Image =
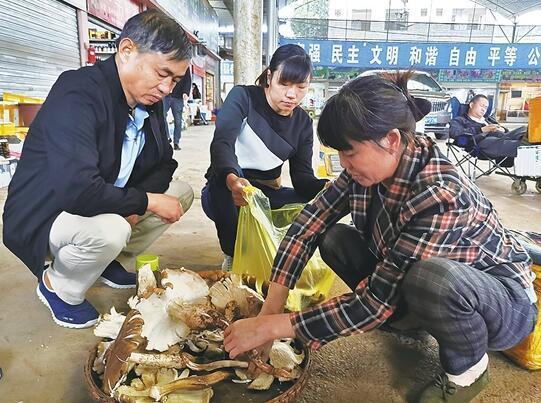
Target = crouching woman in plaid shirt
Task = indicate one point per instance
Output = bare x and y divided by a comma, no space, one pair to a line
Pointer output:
425,240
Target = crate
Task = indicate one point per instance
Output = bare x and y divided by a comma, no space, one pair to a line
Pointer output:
534,121
7,128
528,161
17,98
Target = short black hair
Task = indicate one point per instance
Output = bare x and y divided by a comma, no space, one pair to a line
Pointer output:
153,30
477,97
295,63
367,108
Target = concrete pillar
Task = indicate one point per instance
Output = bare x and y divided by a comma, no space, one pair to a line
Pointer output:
272,12
247,41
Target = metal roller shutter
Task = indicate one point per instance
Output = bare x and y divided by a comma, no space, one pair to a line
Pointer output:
38,41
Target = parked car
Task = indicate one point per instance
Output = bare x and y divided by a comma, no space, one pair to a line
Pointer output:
422,85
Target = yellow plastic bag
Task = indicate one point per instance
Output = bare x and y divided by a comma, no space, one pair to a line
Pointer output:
259,233
528,352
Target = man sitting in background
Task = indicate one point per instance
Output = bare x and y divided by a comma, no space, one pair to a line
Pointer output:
94,169
493,139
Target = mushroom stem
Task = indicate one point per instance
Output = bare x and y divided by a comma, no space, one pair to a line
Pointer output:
191,383
161,360
255,359
211,366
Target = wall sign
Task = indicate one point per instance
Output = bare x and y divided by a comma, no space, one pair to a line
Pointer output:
114,12
432,55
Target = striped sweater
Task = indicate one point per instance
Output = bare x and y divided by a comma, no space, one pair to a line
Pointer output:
251,140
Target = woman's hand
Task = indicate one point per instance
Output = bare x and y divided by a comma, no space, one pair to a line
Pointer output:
236,185
255,333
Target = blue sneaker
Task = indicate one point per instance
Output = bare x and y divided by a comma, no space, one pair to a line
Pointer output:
116,276
64,314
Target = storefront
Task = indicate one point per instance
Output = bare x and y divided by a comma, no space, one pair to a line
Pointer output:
517,88
212,79
198,76
39,40
105,21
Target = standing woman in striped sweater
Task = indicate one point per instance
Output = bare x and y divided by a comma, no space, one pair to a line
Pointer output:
259,128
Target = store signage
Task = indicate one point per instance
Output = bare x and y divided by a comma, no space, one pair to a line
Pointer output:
470,75
200,71
432,55
115,12
531,76
226,67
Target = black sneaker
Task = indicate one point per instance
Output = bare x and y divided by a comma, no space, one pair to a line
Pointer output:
176,147
116,276
64,314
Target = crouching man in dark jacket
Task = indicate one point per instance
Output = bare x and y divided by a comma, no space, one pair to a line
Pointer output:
94,184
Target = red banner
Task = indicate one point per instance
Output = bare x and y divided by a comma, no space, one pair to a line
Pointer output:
198,70
115,12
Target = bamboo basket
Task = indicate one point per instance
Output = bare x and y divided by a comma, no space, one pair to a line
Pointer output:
224,392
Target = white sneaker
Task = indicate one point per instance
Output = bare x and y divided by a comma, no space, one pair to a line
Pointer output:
227,264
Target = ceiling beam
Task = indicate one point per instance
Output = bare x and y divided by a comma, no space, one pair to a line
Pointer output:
230,4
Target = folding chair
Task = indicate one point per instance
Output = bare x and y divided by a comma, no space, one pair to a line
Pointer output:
468,154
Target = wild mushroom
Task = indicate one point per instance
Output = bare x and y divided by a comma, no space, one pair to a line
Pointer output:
129,339
190,396
128,394
109,324
211,366
139,389
184,284
160,329
216,335
258,364
191,383
182,360
282,355
146,281
226,290
195,316
160,360
262,382
99,362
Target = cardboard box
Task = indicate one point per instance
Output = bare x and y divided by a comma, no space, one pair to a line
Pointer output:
528,161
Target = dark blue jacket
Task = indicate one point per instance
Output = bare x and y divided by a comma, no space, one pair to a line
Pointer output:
71,159
464,125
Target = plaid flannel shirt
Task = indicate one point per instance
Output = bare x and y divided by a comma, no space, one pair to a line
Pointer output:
428,210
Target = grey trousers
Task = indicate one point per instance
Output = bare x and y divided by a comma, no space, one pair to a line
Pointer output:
82,247
466,310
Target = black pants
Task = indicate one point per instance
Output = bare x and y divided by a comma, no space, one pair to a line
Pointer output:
218,205
499,144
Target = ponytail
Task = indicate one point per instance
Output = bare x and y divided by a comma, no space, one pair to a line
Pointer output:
262,80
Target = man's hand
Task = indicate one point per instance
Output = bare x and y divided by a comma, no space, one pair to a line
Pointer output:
132,220
166,207
491,128
236,186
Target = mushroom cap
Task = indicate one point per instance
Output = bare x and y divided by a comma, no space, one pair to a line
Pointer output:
184,284
129,339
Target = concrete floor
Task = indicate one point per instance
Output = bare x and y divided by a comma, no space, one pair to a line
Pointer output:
43,362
